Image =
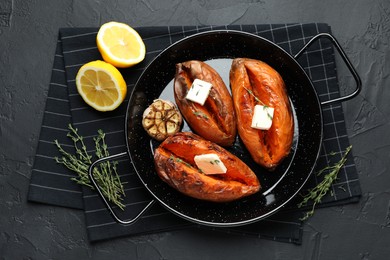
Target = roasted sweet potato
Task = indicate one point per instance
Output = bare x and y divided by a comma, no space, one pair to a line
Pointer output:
253,80
174,162
215,120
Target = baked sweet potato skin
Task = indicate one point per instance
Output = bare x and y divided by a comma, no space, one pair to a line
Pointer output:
215,120
251,78
174,163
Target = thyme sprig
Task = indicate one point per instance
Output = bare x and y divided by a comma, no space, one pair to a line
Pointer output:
105,173
259,101
317,193
256,98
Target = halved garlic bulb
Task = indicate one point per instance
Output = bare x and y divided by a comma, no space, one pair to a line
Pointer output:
162,119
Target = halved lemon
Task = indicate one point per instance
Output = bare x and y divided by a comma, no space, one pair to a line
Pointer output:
101,85
120,45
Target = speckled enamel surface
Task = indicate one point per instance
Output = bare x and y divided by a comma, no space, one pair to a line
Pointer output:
218,48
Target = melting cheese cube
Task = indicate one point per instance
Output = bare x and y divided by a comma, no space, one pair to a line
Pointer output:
199,91
262,117
210,163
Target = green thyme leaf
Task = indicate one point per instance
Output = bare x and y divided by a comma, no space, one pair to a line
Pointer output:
269,116
256,98
180,160
197,113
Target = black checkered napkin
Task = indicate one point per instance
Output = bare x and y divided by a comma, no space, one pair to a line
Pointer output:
50,182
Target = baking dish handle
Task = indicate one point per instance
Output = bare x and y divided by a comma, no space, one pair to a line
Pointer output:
345,59
109,207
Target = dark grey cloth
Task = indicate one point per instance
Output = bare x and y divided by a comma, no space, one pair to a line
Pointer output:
51,184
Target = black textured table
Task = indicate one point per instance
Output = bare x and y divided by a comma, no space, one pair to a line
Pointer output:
354,219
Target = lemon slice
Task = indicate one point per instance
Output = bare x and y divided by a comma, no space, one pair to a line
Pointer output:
120,45
101,85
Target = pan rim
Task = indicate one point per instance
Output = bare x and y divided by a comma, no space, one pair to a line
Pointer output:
235,223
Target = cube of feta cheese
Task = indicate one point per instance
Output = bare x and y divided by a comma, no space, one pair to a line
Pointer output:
210,163
199,91
262,117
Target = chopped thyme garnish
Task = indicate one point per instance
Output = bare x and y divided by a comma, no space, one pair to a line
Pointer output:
268,114
215,161
180,161
197,113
